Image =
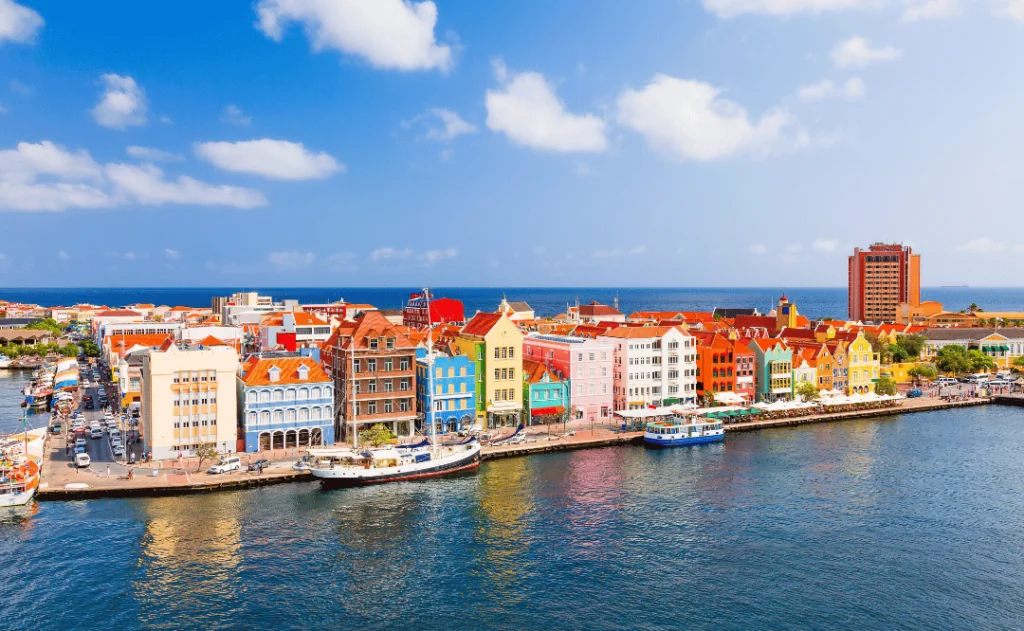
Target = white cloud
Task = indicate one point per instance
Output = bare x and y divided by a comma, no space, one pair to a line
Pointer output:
291,260
981,245
732,8
394,34
687,120
21,88
153,155
47,177
3,110
63,256
433,256
389,254
852,88
234,115
915,10
1013,9
826,245
758,248
454,126
275,159
857,52
174,255
166,120
528,111
145,184
122,104
619,253
791,253
18,23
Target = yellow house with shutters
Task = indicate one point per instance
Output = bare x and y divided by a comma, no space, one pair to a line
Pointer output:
496,344
864,366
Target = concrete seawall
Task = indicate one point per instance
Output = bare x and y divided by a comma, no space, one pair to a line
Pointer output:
127,490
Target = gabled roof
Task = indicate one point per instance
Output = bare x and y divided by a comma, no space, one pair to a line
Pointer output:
369,325
642,332
767,343
797,334
596,309
210,340
533,372
257,371
519,306
481,324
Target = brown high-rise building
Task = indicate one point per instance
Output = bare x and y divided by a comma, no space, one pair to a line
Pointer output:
882,277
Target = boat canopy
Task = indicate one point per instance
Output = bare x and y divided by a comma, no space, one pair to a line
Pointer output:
646,413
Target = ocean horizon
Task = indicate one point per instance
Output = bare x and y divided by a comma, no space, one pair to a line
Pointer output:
814,302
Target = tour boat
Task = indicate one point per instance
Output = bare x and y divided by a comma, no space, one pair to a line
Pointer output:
5,361
358,467
677,431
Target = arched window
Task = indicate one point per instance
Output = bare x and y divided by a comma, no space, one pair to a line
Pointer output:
264,396
277,395
303,415
278,416
303,394
314,393
264,417
290,394
252,418
252,396
290,415
714,359
316,414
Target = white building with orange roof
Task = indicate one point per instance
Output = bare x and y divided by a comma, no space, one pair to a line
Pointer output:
654,366
292,330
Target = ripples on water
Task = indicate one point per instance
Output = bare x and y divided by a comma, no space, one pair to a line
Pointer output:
910,523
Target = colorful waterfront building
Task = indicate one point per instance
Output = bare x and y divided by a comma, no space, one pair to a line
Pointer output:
746,369
716,365
654,365
773,360
819,356
588,363
546,396
448,396
494,342
373,365
864,366
285,400
292,330
840,365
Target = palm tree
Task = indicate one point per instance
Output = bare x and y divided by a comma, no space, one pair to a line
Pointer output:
974,308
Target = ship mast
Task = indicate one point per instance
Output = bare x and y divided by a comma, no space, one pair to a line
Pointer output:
430,372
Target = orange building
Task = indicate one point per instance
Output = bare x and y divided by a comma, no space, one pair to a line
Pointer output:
880,278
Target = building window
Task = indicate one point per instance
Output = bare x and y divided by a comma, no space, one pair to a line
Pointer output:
371,407
404,363
373,344
504,352
389,343
389,406
404,405
497,353
371,386
388,365
389,385
497,374
371,365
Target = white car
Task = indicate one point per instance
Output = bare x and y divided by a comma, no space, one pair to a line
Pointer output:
82,460
227,464
118,450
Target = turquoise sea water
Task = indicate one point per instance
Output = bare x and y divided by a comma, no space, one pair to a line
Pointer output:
912,522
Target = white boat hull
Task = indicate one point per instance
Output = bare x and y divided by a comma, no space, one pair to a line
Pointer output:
461,458
16,499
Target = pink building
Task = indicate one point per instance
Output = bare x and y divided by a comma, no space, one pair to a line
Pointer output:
587,363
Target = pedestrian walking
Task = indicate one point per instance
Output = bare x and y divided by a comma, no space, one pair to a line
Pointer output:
108,471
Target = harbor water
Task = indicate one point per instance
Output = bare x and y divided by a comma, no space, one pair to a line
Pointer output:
911,522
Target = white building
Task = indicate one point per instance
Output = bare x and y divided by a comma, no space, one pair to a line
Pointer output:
189,399
655,365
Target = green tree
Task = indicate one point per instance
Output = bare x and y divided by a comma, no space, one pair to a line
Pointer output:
898,353
89,348
923,371
1018,364
953,359
885,385
69,350
47,324
377,435
206,451
974,308
912,344
980,362
807,391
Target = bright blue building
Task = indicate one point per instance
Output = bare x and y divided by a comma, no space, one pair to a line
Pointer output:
451,403
285,400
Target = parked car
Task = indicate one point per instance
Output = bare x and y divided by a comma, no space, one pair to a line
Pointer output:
945,381
80,449
56,428
79,442
118,450
82,460
256,464
227,464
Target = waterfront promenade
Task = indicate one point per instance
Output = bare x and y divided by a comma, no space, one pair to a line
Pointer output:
63,482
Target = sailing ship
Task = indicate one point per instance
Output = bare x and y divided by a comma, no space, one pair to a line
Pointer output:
352,466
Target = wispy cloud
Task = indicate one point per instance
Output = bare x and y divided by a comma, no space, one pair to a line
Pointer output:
758,248
618,253
981,245
291,260
234,115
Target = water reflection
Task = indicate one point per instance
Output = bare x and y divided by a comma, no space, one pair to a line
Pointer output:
505,501
189,558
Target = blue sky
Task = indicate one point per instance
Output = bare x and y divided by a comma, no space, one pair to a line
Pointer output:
532,143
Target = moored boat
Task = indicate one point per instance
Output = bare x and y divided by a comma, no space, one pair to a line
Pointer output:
20,462
356,467
678,431
5,361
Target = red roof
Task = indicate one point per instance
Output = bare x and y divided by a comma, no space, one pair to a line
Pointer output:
118,313
640,332
481,324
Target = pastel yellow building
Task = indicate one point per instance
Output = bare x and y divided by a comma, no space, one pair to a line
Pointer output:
864,366
188,399
494,342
